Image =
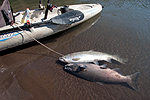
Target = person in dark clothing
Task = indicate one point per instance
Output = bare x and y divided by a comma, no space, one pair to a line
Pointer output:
6,14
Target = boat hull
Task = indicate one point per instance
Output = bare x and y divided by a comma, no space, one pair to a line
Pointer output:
11,36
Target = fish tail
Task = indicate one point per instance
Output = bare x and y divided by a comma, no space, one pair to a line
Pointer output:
133,80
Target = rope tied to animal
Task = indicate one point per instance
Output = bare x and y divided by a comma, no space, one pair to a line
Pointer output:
39,41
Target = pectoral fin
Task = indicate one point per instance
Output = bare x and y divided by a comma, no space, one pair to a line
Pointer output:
91,50
117,70
83,66
100,83
109,60
103,66
96,62
76,59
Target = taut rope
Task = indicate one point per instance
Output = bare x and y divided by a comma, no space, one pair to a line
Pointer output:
45,45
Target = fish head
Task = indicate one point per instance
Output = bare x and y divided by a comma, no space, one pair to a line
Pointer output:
62,59
71,67
66,58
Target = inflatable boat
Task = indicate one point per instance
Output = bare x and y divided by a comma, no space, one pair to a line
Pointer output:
41,22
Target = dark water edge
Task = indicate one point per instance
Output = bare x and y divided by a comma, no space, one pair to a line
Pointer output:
31,72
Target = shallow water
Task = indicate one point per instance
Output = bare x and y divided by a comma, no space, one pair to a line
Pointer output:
31,72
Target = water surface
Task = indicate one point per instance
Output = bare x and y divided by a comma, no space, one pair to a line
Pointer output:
31,72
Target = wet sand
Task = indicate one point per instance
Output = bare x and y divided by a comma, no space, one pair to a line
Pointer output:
31,72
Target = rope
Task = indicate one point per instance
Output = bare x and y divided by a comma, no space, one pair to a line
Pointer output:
39,42
45,46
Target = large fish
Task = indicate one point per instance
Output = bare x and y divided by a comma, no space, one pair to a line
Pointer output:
90,56
101,74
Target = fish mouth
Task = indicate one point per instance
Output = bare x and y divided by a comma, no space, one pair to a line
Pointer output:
62,59
68,67
71,67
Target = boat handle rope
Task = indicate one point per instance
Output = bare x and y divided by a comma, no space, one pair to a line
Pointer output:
39,41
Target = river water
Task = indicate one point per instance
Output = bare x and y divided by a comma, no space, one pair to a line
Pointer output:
31,72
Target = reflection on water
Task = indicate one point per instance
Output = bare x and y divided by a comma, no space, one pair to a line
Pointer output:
30,72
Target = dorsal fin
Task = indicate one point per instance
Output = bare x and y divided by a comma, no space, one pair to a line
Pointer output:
117,70
91,50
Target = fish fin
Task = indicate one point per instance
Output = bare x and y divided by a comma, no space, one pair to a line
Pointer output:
100,83
133,81
117,70
96,62
103,66
83,66
118,59
109,60
91,50
76,59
